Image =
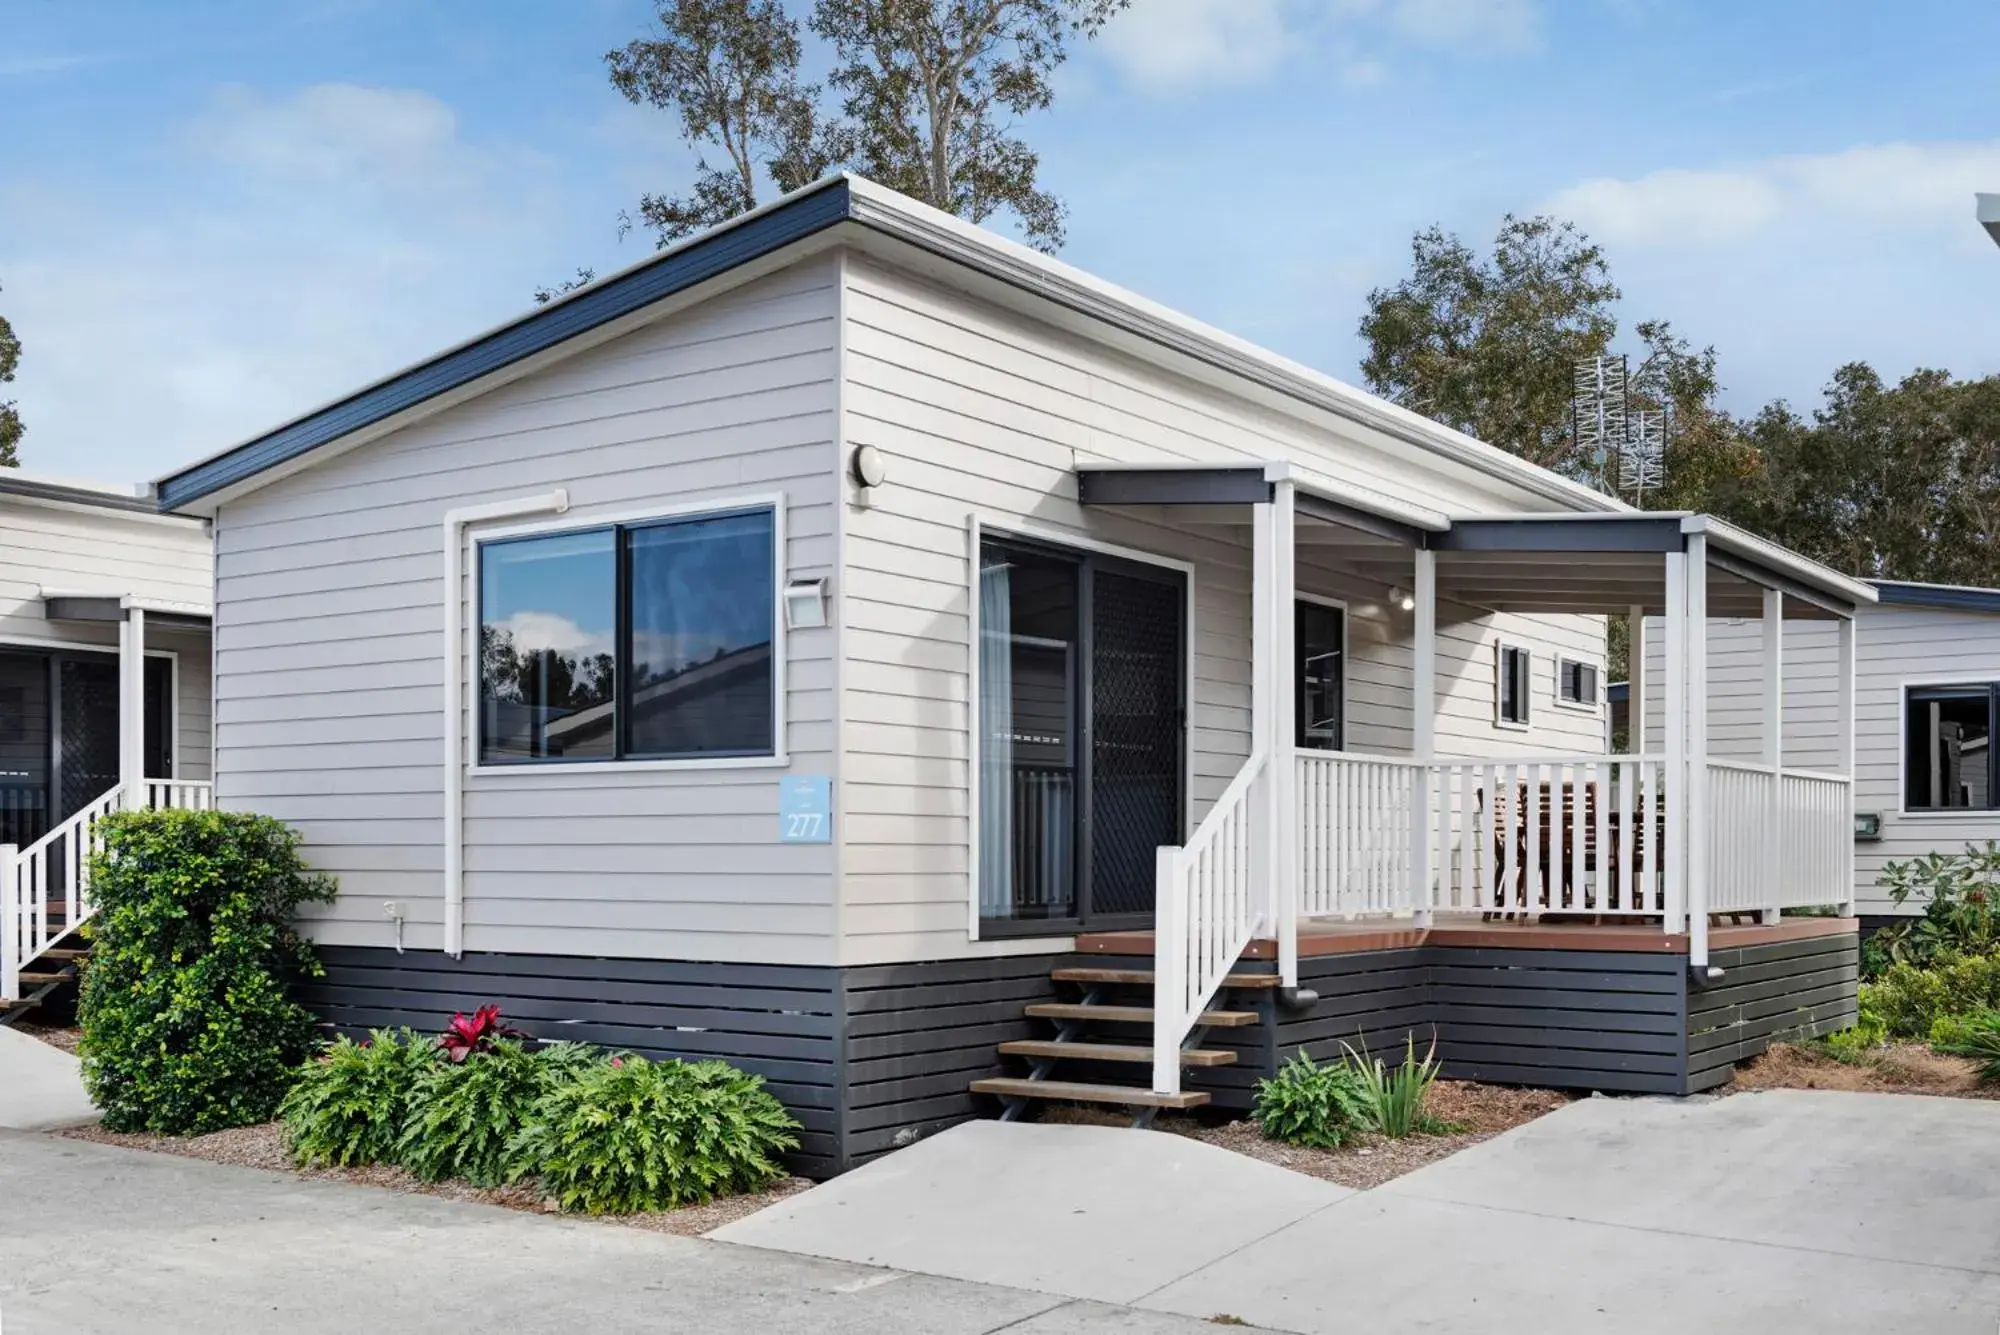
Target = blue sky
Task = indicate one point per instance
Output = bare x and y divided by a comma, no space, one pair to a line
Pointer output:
216,214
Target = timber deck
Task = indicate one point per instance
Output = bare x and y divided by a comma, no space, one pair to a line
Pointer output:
1349,938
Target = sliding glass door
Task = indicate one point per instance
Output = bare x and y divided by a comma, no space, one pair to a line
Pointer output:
1080,729
59,735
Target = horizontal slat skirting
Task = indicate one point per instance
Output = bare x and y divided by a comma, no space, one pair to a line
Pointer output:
1322,968
1666,1066
1740,956
1568,1022
1462,1034
895,1002
1557,1077
634,1012
873,976
937,1040
1557,998
1708,1008
1568,980
797,977
1622,963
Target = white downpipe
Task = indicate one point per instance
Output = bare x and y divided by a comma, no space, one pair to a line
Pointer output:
455,522
1423,733
1281,779
1774,747
1697,753
132,706
1676,851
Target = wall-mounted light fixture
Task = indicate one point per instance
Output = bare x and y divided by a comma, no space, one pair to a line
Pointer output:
805,604
1403,599
867,466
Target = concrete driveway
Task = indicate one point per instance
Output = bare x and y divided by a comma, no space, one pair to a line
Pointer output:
1757,1213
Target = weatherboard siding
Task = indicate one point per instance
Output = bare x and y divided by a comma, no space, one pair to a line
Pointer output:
1894,646
70,549
329,677
979,411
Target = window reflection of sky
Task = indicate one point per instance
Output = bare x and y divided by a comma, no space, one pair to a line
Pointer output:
553,592
699,590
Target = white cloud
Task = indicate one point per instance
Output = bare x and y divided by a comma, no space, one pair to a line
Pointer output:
1179,45
1494,26
1901,186
1175,44
534,632
270,253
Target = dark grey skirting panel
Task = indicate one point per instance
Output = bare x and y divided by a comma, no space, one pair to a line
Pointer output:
1786,990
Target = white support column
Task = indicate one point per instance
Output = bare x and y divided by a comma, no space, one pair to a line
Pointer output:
1635,684
1284,729
1263,567
1423,730
1675,723
132,708
1774,745
1697,751
1845,743
10,925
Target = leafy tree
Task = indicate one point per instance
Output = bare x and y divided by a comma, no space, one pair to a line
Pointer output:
545,295
1486,344
10,417
922,96
1894,482
730,70
930,87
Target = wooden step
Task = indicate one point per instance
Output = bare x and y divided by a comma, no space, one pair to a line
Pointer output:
37,979
1064,1010
1110,1052
1007,1087
65,954
1144,977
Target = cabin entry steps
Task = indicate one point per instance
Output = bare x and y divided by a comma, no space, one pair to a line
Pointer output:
1111,999
48,973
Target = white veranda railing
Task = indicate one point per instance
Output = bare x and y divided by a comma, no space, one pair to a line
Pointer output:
45,887
1355,817
1212,903
1778,838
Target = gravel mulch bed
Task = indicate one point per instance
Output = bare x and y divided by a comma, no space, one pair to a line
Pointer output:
264,1147
1484,1110
1899,1068
64,1038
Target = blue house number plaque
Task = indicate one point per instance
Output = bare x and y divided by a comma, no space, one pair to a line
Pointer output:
805,809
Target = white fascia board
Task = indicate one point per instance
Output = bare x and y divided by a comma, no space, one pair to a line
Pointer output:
1802,568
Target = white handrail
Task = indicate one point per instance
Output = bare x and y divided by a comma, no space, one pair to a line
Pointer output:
1210,907
53,873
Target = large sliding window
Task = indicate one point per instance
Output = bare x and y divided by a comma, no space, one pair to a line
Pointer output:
640,641
1948,760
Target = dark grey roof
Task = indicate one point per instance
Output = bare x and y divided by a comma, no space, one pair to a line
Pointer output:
707,256
1958,597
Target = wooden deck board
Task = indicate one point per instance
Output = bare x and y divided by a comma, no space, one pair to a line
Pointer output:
1343,938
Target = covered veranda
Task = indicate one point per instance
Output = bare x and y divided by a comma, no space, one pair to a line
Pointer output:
1662,836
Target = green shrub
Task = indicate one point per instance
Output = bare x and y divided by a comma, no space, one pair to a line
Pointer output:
463,1114
1321,1107
1976,1036
1960,894
1394,1097
629,1134
348,1105
1907,1000
187,1016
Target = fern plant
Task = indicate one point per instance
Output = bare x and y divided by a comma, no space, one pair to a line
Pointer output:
1320,1107
347,1106
630,1134
463,1114
1976,1036
1394,1097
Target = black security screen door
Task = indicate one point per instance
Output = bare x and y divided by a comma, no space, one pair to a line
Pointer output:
1080,719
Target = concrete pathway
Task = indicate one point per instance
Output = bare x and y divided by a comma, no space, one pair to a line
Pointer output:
97,1240
40,1086
1757,1213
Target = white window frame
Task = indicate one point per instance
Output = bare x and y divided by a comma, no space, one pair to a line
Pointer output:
1563,663
1501,648
977,530
1903,809
577,521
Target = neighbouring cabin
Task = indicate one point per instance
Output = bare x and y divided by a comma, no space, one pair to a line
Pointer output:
1926,704
104,699
811,646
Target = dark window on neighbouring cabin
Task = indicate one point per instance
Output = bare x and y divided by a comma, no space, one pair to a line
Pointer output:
1576,682
641,641
1948,760
1512,665
1320,642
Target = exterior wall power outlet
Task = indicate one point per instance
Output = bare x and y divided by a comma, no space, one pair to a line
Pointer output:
393,908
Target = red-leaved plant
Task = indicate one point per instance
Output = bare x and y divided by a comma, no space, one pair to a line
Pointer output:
477,1032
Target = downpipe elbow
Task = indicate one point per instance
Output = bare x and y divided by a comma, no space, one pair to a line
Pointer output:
1705,975
1297,999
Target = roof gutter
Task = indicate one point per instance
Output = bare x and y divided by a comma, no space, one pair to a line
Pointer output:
1803,569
